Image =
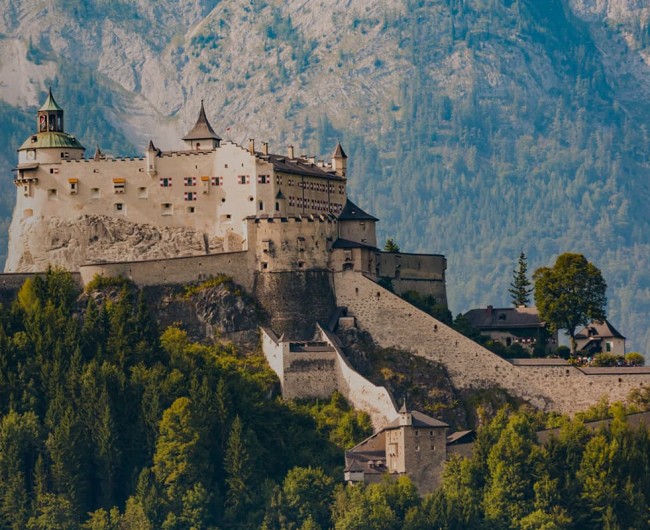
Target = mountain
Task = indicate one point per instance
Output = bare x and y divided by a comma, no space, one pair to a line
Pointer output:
477,129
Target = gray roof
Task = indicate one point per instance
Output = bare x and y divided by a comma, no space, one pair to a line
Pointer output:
351,212
599,331
506,317
419,420
299,166
338,152
346,243
202,130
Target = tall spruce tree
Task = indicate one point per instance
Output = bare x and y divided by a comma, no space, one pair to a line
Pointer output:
520,288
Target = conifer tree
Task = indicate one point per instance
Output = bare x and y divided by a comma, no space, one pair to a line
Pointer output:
238,468
520,288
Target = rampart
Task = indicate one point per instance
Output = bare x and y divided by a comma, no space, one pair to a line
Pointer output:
392,322
317,368
175,270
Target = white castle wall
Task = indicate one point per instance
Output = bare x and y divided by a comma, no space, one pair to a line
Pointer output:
317,374
392,322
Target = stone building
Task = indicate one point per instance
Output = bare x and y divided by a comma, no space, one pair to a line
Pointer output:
600,338
414,445
514,325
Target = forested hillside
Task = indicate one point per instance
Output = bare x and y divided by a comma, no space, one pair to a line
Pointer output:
475,128
107,423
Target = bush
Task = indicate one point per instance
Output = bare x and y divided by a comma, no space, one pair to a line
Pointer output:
563,351
607,359
634,359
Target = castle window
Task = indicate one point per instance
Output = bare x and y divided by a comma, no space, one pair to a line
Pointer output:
189,181
265,265
26,190
263,179
301,264
417,433
94,193
217,181
166,208
190,209
261,205
118,185
120,208
190,195
266,245
608,346
54,171
143,193
301,243
73,186
65,155
277,206
165,182
34,139
141,170
51,194
278,180
243,179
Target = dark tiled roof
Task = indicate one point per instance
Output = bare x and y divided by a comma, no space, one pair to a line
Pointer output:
351,212
346,243
299,166
202,130
599,331
370,462
461,437
508,317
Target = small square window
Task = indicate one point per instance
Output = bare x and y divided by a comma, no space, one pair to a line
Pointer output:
143,193
94,193
190,209
120,208
51,194
166,208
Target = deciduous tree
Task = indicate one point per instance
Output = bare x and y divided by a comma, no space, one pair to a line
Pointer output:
570,294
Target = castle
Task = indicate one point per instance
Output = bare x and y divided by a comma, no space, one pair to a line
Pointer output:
283,227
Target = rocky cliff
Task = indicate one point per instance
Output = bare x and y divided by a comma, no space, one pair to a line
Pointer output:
69,243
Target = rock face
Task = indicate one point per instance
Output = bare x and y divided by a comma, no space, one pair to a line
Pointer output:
69,243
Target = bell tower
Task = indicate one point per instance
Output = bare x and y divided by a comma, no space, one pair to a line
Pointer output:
50,116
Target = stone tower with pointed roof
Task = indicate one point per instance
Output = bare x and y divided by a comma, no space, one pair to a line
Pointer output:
202,135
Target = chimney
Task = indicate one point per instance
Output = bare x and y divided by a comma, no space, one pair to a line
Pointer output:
251,146
290,153
265,148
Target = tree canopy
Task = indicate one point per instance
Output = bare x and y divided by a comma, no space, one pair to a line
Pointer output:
570,294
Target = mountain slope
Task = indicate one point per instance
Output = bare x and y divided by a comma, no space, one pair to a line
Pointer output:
475,128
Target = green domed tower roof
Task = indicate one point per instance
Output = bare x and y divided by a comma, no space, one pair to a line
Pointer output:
50,131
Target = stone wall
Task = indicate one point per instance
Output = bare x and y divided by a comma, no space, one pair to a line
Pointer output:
295,301
175,270
392,322
317,374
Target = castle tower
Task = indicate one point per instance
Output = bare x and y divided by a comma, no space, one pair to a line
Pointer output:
339,161
51,143
202,135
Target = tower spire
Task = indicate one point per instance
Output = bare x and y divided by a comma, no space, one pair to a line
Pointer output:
202,135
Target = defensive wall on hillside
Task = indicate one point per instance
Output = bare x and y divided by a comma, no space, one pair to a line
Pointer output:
551,385
316,368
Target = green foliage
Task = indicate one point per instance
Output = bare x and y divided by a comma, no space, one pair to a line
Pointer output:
634,359
570,294
391,246
99,283
338,421
219,280
520,287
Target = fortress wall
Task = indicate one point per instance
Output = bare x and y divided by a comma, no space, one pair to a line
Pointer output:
295,301
274,353
469,365
309,374
175,270
362,394
291,243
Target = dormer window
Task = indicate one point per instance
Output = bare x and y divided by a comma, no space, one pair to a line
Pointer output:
74,186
